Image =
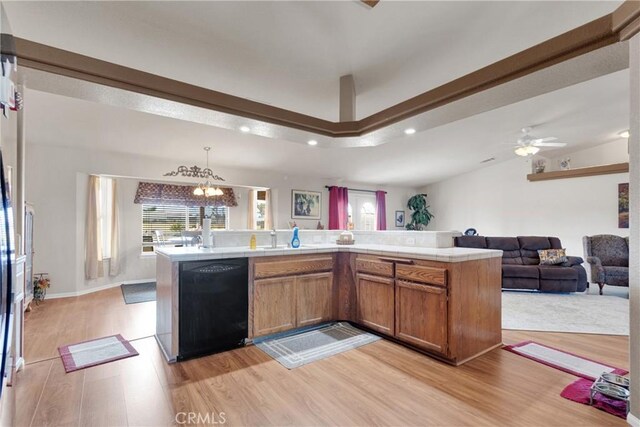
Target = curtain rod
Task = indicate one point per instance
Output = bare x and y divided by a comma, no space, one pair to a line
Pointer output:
353,189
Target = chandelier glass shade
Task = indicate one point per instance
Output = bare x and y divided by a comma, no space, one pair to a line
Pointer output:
207,189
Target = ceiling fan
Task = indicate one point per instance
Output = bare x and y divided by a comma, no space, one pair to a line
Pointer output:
528,145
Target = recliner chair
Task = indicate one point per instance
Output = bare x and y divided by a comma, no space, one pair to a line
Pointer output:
608,256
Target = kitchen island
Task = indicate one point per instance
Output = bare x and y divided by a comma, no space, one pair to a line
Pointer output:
445,302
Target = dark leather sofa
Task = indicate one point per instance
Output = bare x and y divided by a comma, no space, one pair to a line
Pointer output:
521,267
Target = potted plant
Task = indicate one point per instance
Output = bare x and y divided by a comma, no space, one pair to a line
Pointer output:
420,215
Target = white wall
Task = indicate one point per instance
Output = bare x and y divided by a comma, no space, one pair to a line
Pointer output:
499,201
57,180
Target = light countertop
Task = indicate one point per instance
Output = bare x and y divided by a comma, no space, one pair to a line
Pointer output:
192,253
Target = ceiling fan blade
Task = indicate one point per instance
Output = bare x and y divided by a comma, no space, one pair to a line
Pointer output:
547,139
550,144
370,3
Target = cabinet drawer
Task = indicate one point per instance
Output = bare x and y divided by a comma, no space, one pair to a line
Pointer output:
292,267
419,273
374,266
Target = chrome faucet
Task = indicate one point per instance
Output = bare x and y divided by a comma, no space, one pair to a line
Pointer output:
274,239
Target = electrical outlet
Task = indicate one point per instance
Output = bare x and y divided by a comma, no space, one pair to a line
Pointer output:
317,239
411,241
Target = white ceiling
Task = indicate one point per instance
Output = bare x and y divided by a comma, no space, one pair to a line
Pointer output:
582,115
291,54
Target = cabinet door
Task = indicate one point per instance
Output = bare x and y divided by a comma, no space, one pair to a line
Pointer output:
375,303
273,305
421,315
314,295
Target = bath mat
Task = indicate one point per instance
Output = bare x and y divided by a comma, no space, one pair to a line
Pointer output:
302,348
138,292
95,352
578,391
566,362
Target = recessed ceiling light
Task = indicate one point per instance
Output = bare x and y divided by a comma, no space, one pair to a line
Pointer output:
624,134
245,129
410,131
312,142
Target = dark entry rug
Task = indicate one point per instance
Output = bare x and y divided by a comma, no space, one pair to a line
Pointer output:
138,292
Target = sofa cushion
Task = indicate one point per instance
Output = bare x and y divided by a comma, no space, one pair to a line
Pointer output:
521,271
551,272
510,248
555,243
616,276
529,247
471,242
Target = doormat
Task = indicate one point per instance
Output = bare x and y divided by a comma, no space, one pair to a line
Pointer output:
566,362
95,352
134,293
302,348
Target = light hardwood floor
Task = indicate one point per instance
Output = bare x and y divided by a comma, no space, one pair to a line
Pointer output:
378,384
63,321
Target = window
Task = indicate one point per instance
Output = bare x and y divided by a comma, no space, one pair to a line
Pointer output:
105,215
361,211
261,209
166,222
367,216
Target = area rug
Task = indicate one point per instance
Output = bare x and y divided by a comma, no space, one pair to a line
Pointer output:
579,391
138,292
300,349
578,313
95,352
562,360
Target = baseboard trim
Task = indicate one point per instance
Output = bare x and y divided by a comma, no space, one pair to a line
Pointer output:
96,289
632,420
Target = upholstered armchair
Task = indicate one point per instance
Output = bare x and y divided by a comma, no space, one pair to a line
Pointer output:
608,256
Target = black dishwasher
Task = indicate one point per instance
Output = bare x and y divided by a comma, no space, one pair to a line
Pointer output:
214,306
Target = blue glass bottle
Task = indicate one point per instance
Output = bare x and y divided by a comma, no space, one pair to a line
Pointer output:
295,242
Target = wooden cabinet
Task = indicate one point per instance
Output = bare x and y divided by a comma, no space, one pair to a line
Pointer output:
313,298
375,305
274,305
421,315
301,294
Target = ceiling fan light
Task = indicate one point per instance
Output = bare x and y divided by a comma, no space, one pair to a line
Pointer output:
210,191
198,191
218,192
526,151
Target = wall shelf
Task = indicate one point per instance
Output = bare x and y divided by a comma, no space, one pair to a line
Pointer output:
580,172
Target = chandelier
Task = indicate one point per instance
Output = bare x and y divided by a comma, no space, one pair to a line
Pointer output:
206,189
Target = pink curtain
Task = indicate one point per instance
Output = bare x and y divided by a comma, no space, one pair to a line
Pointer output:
338,208
381,210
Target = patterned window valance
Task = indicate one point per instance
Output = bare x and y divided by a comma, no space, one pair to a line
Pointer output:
182,195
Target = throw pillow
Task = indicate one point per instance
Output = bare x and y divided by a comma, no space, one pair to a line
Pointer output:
552,256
